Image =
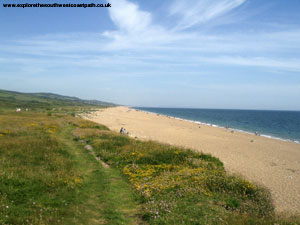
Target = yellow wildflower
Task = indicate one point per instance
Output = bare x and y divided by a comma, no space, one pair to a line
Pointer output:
77,180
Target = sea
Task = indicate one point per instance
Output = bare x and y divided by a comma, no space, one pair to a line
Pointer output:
283,125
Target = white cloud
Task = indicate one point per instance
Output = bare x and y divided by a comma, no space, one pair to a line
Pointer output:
135,28
128,17
172,50
283,64
137,43
197,12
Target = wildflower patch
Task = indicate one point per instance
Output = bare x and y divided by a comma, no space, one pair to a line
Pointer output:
170,180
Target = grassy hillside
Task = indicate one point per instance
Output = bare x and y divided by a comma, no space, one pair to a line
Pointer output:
10,99
48,178
179,186
52,172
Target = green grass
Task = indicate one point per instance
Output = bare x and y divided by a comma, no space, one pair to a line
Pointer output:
180,186
44,101
47,176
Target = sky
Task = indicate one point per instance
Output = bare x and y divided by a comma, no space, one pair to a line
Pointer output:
228,54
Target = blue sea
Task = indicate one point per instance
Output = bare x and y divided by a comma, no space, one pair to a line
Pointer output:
274,124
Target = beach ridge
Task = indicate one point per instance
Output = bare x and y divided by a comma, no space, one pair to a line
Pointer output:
269,162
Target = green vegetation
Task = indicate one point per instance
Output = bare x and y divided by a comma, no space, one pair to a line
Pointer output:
44,101
179,186
48,177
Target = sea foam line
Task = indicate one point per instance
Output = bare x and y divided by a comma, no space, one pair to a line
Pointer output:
218,126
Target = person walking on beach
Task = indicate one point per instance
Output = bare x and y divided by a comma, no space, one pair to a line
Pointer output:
122,130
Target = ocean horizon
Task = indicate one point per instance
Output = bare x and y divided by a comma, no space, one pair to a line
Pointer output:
277,124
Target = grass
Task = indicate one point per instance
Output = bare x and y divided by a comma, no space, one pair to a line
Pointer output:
48,101
180,186
48,177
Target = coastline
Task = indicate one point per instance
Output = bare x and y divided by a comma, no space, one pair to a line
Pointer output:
270,162
218,126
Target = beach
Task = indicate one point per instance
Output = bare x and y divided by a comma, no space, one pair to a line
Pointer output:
272,163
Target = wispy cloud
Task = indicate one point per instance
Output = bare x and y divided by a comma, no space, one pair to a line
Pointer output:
136,43
272,63
134,28
199,12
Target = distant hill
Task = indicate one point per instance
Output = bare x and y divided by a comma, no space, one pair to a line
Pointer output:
71,99
10,99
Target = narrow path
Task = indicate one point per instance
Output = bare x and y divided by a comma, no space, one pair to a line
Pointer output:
106,198
98,158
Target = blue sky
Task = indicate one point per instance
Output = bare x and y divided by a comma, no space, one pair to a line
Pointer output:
242,54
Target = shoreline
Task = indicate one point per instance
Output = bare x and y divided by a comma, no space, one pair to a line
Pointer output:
218,126
269,162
